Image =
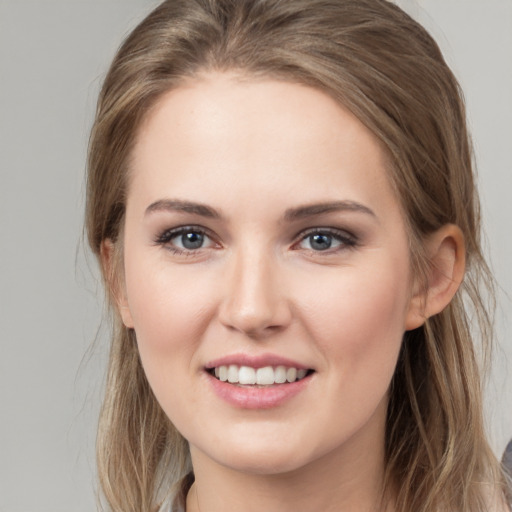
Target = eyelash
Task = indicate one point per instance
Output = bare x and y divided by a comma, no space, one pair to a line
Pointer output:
164,239
347,240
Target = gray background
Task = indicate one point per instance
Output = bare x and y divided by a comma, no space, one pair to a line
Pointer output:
53,54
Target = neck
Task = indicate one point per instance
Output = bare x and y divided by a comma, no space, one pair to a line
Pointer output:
347,479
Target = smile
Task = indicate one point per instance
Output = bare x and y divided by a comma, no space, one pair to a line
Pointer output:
261,381
266,376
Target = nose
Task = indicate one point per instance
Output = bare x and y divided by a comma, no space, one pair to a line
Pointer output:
255,301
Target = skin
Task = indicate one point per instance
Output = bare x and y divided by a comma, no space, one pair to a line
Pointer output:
252,151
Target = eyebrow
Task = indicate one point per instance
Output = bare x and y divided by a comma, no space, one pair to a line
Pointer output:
176,205
294,214
291,215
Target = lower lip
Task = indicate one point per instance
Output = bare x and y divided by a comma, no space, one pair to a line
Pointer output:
257,398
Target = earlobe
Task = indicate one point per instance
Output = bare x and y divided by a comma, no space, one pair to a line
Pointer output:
112,272
445,249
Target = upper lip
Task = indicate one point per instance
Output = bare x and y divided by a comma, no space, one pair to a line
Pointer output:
255,361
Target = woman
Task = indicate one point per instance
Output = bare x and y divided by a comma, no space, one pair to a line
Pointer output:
282,200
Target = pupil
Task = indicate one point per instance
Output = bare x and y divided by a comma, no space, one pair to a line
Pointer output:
321,242
192,240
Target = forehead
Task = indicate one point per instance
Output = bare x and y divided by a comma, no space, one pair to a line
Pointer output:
223,134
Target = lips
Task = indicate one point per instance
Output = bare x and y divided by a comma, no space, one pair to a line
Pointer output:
257,382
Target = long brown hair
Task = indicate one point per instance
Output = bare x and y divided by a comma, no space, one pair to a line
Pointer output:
385,68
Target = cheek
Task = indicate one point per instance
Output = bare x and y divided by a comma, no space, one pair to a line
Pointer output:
358,319
357,324
166,307
168,319
169,311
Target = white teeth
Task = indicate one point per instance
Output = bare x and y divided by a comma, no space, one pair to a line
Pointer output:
291,374
247,375
266,376
233,373
280,375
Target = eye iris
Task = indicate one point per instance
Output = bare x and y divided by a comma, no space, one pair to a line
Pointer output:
192,240
320,242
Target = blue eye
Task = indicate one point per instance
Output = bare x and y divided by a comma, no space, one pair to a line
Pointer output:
325,240
185,239
191,240
320,242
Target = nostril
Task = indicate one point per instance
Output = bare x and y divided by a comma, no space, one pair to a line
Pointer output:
257,324
254,303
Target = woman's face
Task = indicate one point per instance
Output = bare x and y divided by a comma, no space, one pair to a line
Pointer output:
263,242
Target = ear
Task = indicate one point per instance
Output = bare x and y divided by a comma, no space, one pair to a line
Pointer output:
445,250
112,270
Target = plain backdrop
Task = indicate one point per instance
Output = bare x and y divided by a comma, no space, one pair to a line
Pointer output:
53,55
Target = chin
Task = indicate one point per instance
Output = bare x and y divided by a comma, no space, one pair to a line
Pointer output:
261,457
266,463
